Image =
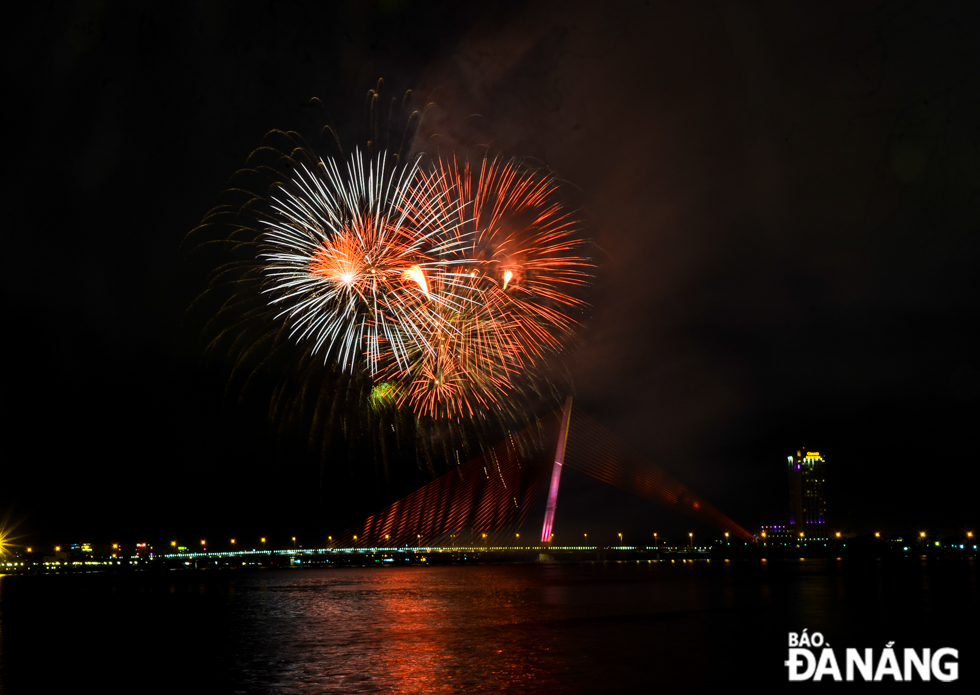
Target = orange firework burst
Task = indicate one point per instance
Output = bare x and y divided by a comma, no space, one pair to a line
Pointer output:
522,243
508,297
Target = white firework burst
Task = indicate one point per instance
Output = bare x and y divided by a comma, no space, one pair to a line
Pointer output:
347,255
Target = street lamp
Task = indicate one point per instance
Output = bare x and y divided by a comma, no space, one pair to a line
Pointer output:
620,538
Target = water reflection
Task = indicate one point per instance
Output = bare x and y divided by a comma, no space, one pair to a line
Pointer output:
467,629
414,629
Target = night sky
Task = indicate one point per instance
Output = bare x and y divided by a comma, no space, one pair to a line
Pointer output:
784,197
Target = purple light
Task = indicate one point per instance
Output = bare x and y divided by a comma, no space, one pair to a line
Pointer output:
549,510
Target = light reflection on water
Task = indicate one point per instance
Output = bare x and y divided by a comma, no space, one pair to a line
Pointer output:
407,629
469,628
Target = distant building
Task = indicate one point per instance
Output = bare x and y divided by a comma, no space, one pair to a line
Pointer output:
774,536
807,500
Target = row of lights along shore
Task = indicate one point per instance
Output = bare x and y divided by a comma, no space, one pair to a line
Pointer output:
141,548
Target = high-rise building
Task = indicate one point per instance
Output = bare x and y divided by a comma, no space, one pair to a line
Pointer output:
807,503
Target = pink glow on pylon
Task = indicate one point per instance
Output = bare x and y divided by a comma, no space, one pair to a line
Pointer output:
549,510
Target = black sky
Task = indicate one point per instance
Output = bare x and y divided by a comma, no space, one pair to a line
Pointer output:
785,197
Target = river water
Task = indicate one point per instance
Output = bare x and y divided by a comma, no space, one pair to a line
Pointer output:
535,628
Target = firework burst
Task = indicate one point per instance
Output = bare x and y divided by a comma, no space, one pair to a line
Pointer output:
522,244
508,298
346,266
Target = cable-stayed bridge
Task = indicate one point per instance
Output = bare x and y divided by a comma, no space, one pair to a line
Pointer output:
512,490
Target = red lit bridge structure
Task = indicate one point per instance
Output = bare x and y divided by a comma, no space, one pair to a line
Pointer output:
511,491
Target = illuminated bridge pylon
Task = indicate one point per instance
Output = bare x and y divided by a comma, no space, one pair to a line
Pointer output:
552,502
509,493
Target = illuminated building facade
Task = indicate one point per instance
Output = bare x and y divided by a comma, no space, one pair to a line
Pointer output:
807,500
